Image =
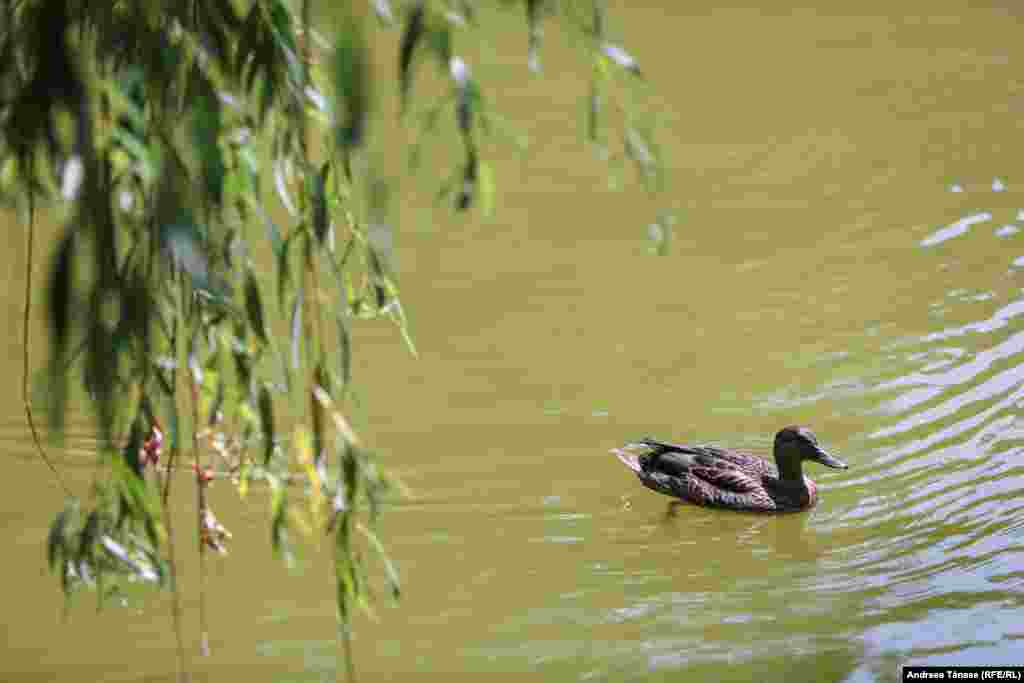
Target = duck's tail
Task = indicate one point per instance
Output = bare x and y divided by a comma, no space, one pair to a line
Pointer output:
631,453
630,460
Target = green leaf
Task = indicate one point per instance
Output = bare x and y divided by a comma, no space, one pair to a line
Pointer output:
382,8
249,166
137,308
639,148
296,329
467,191
344,351
344,585
350,474
597,29
284,270
321,220
661,233
352,84
219,397
594,111
389,567
279,520
467,95
621,58
267,424
533,18
130,452
141,570
243,361
254,307
138,150
87,539
55,549
411,37
273,233
61,312
439,38
206,130
281,185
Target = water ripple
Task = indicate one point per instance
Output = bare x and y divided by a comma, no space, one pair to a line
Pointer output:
956,229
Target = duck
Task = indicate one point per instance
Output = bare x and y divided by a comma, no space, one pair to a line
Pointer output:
732,479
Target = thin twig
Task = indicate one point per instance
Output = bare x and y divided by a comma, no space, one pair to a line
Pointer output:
176,610
175,596
25,346
201,503
346,643
172,459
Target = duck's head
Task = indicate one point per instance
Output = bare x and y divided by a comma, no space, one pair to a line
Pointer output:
796,444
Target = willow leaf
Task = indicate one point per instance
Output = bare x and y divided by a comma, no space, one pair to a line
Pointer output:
267,424
254,307
389,567
410,39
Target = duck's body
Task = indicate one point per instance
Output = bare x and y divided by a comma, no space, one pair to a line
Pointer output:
728,478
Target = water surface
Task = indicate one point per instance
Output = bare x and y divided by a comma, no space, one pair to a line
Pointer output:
848,255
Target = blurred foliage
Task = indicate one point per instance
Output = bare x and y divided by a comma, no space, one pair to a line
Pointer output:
156,130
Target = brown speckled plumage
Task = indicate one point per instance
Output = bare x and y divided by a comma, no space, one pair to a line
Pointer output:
727,478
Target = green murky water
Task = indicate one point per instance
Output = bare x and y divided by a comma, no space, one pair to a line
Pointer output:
849,255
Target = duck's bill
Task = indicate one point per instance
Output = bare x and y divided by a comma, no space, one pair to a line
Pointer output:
825,459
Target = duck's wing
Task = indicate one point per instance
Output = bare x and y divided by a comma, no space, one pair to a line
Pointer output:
743,460
676,459
712,486
729,488
726,478
677,487
673,459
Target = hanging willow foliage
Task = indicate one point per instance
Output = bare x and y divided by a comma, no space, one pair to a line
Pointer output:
155,127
